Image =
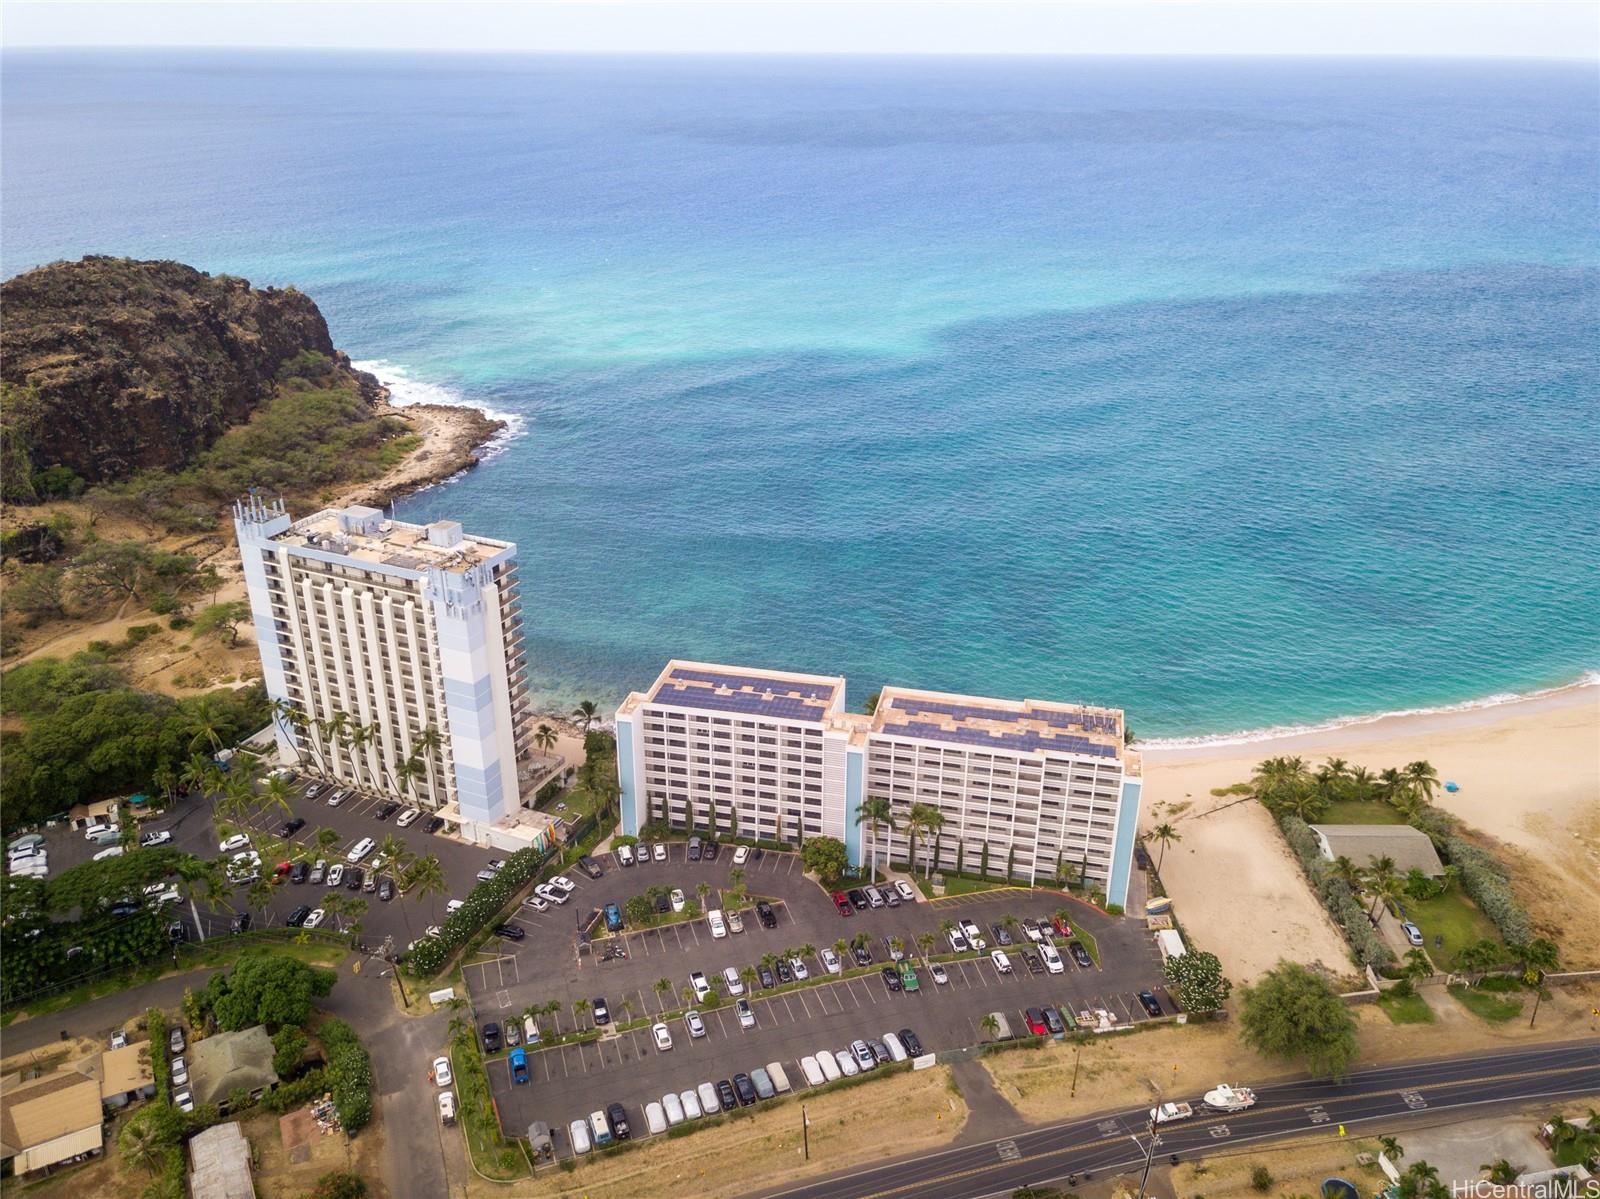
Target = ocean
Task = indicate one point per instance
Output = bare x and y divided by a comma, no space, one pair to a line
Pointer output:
1234,393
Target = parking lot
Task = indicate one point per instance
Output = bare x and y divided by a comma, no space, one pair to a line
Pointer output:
568,1082
194,829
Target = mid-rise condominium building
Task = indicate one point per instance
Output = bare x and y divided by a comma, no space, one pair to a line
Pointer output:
1029,788
393,652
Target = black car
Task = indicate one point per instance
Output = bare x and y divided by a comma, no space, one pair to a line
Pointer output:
712,849
435,823
617,1117
124,907
725,1094
663,902
1035,966
765,976
911,1041
510,932
1148,1000
240,923
298,916
385,889
765,914
785,972
1080,954
602,1014
589,866
387,810
891,978
1002,935
880,1051
1053,1021
298,872
354,876
745,1089
290,827
491,1037
862,955
858,899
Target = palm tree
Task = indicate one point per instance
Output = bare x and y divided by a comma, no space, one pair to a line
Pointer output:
334,906
1387,889
579,1006
947,926
808,950
200,881
876,814
1478,957
1164,834
326,840
663,989
925,941
1276,778
586,713
204,721
1391,1148
1501,1172
1381,881
1423,780
142,1145
749,976
199,773
932,822
841,947
276,793
545,737
1421,1181
913,823
1361,782
990,1025
1347,870
702,890
1390,784
427,880
258,897
1533,958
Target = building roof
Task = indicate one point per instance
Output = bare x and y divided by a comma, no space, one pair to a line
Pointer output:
64,1103
745,691
1025,726
123,1070
219,1164
229,1062
366,535
1364,843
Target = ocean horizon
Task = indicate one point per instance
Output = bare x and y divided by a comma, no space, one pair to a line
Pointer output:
1245,395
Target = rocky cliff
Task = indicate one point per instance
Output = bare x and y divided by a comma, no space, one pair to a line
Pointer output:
112,365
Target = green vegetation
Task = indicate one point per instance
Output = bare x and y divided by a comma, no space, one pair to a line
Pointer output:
1196,978
1358,811
1455,918
483,904
1294,1015
339,1184
1485,1005
491,1155
349,1070
1335,886
273,989
824,857
1409,1008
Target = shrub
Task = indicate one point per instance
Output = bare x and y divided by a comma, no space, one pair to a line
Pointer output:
1485,879
340,1185
350,1073
1261,1179
483,903
289,1047
156,1022
1335,894
1197,980
287,1096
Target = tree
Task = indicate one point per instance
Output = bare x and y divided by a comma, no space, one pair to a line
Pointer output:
824,857
545,737
340,1184
870,704
932,822
1501,1172
151,1136
1197,980
1293,1014
39,593
200,881
586,713
271,989
1391,1148
427,881
222,620
639,910
1421,1181
990,1025
1480,956
1164,834
876,814
1533,959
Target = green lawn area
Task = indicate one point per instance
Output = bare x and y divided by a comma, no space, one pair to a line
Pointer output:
493,1157
1406,1009
1486,1006
1452,916
1359,811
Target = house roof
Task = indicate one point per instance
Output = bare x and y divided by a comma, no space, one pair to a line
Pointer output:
231,1061
219,1161
1364,843
123,1070
34,1113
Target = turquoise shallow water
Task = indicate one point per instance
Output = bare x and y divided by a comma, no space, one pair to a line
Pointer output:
1237,394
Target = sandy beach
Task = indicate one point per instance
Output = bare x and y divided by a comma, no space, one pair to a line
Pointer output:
1529,777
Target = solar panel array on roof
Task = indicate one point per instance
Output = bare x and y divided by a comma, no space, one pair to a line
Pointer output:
781,707
1055,719
1026,739
737,682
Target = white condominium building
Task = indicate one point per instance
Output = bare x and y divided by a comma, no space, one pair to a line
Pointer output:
394,653
1030,789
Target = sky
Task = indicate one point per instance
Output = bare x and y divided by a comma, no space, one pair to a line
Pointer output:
1420,28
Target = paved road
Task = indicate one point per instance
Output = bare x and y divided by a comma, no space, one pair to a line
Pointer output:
1118,1141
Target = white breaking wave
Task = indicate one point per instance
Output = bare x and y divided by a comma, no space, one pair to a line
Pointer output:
404,390
1589,678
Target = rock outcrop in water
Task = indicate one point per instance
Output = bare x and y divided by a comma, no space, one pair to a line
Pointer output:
113,365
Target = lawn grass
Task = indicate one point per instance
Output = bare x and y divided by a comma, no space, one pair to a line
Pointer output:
1359,811
1452,916
475,1113
1406,1009
1486,1006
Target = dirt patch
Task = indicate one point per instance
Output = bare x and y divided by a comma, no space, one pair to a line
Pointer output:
48,1057
1297,1168
911,1112
292,1153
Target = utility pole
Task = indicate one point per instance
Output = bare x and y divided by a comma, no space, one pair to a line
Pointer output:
805,1131
1077,1053
1538,994
1149,1154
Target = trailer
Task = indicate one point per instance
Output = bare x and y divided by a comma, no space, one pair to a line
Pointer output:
1230,1099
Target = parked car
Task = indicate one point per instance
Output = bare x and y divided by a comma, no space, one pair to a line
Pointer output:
798,967
319,872
958,941
694,849
710,850
863,1055
842,902
563,884
672,1106
1031,960
1054,1022
161,837
447,1109
290,827
578,1133
435,823
862,955
240,922
727,1098
613,914
880,1051
511,932
1052,958
731,979
491,1037
624,855
1036,1024
690,1102
891,979
590,867
513,1033
828,1063
677,899
386,810
1002,935
617,1117
235,842
747,1018
176,1043
890,895
298,917
119,1039
1061,926
360,850
765,914
764,975
830,961
911,1041
907,891
299,871
537,902
178,1071
1152,1005
741,855
762,1081
1412,932
409,817
940,975
693,1022
658,851
335,874
974,935
744,1088
386,890
183,1100
662,1035
874,897
354,878
1080,954
316,918
519,1065
1001,962
602,1014
702,988
858,898
337,798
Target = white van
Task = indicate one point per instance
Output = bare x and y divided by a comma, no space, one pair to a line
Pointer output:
108,835
114,852
654,1118
710,1101
730,976
599,1127
1052,959
897,1051
530,1031
718,928
625,855
578,1130
362,848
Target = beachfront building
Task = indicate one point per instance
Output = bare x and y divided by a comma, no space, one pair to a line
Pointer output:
1030,789
394,654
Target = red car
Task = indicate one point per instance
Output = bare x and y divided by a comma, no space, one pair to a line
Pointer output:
1036,1022
1061,926
842,902
282,872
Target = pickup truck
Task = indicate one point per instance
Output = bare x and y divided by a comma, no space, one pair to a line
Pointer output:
1230,1099
1169,1112
519,1066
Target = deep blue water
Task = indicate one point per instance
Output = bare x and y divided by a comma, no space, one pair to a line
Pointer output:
1234,393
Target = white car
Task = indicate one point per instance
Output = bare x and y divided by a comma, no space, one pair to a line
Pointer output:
864,1055
799,968
812,1069
316,917
158,838
447,1107
691,1105
709,1102
715,922
730,976
441,1071
1031,930
830,961
847,1064
237,841
1052,959
663,1036
678,899
907,892
891,1042
170,895
119,1039
828,1063
747,1017
938,972
702,989
360,850
550,894
455,905
407,818
184,1101
335,874
564,884
578,1130
100,831
958,942
179,1070
673,1106
658,851
1002,964
695,1025
337,798
537,903
974,935
741,855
